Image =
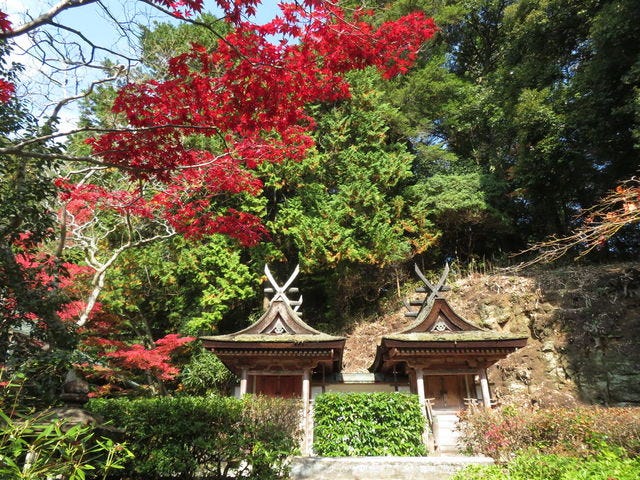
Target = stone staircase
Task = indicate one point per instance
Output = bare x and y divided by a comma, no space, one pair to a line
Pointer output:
445,433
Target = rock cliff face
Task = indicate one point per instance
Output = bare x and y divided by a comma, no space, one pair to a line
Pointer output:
583,323
584,327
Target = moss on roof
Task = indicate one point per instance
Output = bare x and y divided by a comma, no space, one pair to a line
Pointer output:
463,336
265,338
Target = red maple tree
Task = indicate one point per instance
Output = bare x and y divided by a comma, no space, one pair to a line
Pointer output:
156,360
249,93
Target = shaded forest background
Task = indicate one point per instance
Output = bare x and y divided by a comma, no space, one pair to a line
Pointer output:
519,116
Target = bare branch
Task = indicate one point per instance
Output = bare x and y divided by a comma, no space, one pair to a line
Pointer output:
94,48
65,101
18,148
99,276
617,209
44,19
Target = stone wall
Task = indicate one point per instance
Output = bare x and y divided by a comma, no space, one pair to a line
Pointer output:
380,468
584,327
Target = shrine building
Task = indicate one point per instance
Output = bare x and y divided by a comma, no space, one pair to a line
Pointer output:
444,356
441,357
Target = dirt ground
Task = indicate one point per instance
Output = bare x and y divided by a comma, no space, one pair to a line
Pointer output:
583,323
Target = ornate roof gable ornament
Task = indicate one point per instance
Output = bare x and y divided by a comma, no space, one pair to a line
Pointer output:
280,292
432,291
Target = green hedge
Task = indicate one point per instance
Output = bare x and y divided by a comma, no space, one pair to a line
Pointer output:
608,465
368,424
205,437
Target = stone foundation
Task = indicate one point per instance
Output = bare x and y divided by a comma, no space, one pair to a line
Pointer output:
381,468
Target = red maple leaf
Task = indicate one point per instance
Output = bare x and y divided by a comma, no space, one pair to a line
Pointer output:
156,361
253,93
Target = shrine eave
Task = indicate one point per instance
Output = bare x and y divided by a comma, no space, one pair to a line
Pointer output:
480,337
450,348
272,339
278,353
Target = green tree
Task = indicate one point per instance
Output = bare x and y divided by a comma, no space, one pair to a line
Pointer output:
181,286
539,97
341,211
344,203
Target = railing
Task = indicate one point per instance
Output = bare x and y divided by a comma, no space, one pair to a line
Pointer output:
431,426
471,404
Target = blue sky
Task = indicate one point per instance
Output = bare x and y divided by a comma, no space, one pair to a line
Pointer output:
42,87
95,23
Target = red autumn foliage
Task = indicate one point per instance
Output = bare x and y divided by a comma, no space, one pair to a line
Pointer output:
7,90
181,8
42,274
252,94
156,361
5,23
83,201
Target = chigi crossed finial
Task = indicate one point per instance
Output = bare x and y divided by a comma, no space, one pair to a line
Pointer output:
432,291
280,292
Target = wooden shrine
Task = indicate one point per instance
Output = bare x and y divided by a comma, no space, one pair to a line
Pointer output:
279,355
444,356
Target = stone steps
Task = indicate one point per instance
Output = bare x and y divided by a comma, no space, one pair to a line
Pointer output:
381,468
446,433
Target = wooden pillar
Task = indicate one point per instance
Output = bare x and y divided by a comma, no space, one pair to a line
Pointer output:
306,397
420,390
429,424
243,382
484,385
466,387
306,388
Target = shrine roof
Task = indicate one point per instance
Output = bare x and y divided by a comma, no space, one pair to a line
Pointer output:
279,324
279,340
274,338
438,312
279,327
436,321
439,334
460,336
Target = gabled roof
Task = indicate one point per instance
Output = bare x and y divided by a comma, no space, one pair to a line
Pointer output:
440,337
278,340
439,317
440,323
279,324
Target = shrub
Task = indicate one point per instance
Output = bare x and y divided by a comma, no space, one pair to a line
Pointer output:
494,433
39,447
581,432
607,465
368,424
204,375
271,434
205,437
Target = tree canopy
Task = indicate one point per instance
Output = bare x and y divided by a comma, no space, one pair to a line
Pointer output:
352,137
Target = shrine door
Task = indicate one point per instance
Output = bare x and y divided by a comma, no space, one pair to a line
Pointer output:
283,386
447,391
